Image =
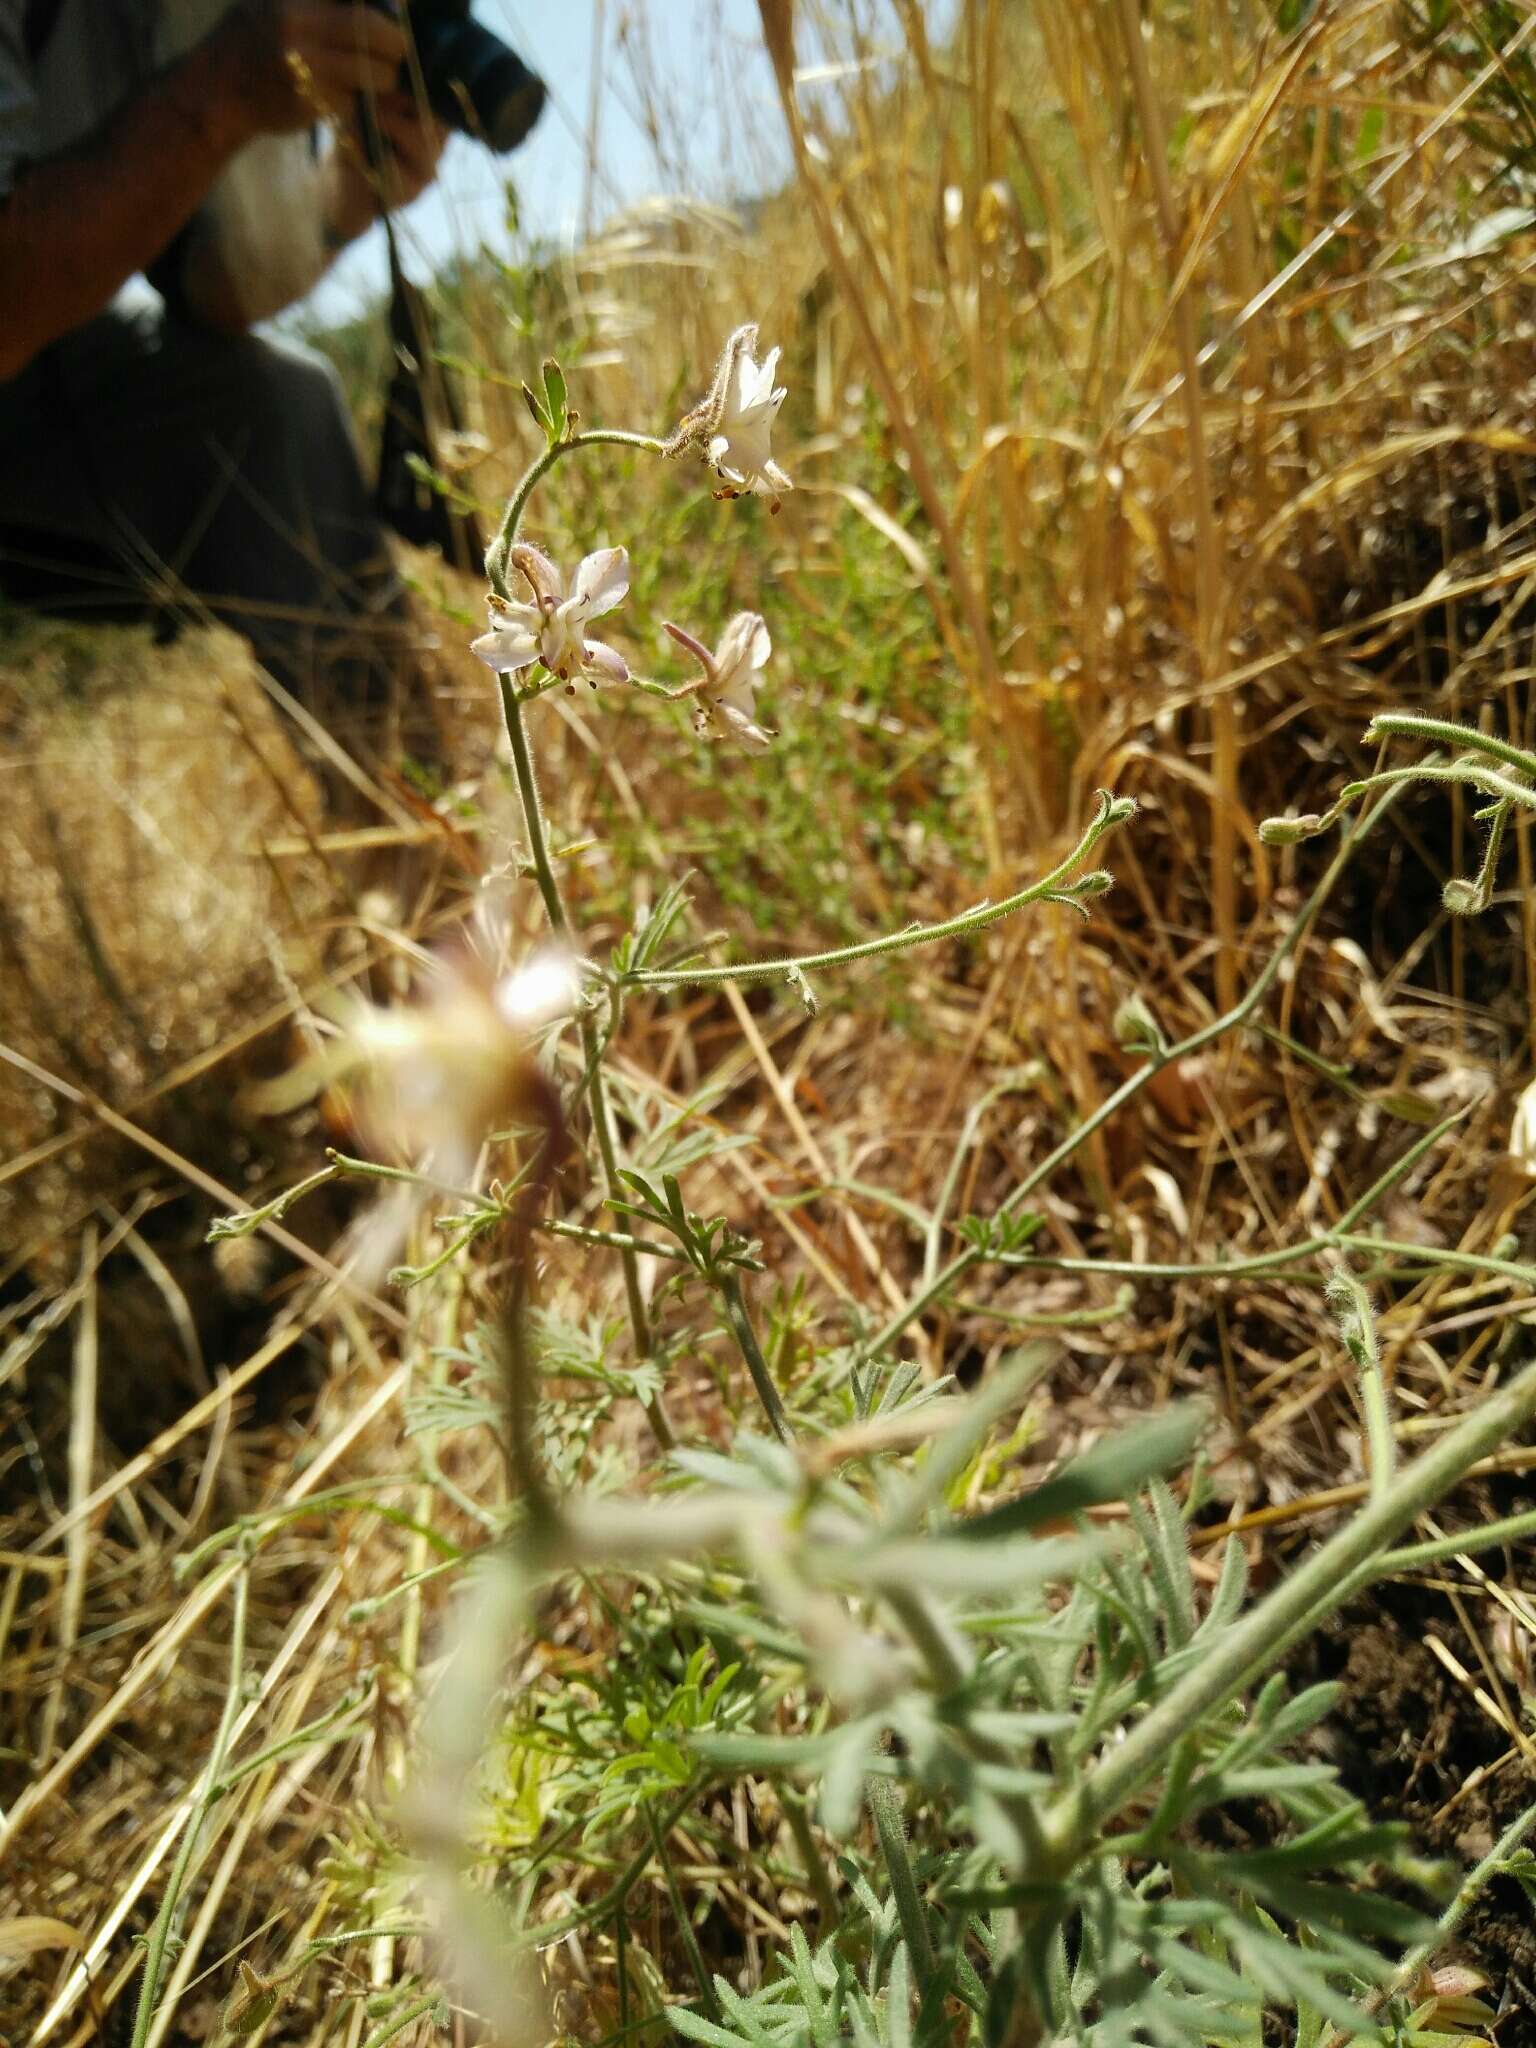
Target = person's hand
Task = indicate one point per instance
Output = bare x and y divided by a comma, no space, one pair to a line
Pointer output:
413,140
286,64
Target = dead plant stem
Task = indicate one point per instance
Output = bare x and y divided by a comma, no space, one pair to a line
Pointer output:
158,1952
1223,707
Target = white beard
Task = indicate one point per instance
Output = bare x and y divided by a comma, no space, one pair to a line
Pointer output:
265,208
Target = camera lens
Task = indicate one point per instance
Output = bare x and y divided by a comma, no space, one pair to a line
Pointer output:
475,82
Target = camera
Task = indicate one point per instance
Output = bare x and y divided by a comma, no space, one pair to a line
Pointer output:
473,80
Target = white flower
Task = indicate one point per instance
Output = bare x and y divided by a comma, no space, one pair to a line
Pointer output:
546,986
734,425
552,629
436,1077
429,1084
727,690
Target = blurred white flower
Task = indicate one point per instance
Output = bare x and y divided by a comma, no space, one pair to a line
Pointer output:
734,425
727,690
552,629
428,1084
546,986
431,1080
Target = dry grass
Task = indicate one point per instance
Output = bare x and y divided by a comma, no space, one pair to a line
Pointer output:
1169,368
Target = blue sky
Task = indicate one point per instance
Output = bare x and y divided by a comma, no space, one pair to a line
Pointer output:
706,63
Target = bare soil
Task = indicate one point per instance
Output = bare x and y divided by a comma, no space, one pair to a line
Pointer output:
1415,1745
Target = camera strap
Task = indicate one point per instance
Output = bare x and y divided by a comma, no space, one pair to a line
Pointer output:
418,396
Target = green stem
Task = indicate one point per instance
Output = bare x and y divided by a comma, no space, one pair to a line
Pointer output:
684,1921
976,919
943,1281
1302,1601
246,1220
612,1900
613,1240
489,1210
597,1094
401,2021
1469,776
533,814
1407,1971
322,1944
1410,725
1278,1260
728,1284
815,1864
168,1918
1484,1536
1358,1324
598,437
318,1730
891,1827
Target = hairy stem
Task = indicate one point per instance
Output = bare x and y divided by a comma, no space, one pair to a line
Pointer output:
403,2019
973,920
597,1094
1406,1974
1444,731
891,1827
728,1286
517,504
943,1281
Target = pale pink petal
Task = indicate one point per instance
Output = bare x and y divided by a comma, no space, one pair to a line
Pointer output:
601,582
605,662
744,388
513,641
745,640
696,648
744,730
543,577
742,342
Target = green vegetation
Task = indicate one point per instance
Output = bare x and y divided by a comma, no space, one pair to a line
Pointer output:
901,1365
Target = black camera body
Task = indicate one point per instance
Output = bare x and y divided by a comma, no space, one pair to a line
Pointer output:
474,81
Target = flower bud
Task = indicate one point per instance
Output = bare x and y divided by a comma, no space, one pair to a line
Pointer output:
252,2005
1463,898
1136,1029
1097,882
1290,831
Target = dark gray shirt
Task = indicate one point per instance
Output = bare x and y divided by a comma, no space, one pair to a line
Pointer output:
95,53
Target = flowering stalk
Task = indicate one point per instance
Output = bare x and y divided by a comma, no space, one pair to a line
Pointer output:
496,562
597,1094
1057,886
512,519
